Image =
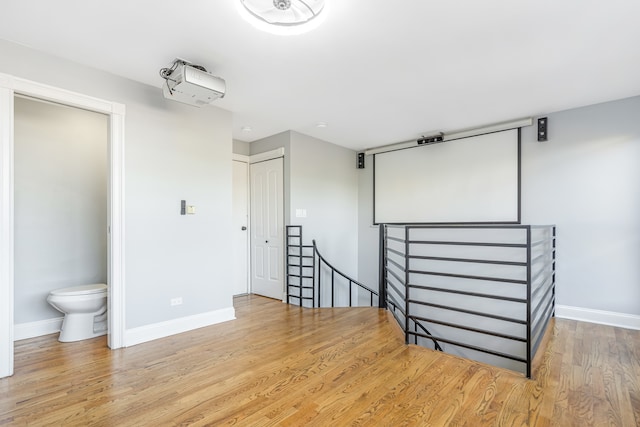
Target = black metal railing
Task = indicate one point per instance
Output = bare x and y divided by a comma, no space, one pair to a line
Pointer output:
313,282
486,291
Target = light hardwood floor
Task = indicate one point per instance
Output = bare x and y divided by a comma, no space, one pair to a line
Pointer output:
282,365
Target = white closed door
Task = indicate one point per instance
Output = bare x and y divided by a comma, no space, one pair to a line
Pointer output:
240,232
267,228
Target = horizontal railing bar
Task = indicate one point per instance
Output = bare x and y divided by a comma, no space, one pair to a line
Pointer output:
471,347
395,276
536,286
475,313
393,251
468,226
473,294
495,245
397,306
549,226
468,276
534,296
392,286
537,275
402,323
538,339
291,245
396,264
300,298
537,330
471,329
426,331
301,276
540,242
542,299
547,307
469,260
395,239
537,258
300,259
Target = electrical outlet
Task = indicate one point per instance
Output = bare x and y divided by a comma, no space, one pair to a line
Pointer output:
176,301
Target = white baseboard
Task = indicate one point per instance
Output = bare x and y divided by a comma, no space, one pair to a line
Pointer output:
171,327
22,331
621,320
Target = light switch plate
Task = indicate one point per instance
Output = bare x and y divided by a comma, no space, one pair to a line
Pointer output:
301,213
191,210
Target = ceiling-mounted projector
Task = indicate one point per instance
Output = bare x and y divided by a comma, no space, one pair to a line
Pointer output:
191,84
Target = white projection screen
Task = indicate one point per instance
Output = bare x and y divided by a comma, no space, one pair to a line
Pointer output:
468,180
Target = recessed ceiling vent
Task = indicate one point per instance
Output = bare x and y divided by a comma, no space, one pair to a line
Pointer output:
191,84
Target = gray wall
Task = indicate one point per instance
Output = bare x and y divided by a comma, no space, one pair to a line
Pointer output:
585,179
60,179
172,152
324,182
321,178
241,147
367,232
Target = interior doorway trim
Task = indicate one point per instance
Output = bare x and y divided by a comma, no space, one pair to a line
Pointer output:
267,155
245,159
9,87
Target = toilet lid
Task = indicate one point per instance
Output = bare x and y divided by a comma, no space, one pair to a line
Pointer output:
81,290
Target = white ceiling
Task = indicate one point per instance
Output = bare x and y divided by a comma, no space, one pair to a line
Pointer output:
376,71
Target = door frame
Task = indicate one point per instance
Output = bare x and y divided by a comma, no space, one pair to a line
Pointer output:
246,159
9,87
262,157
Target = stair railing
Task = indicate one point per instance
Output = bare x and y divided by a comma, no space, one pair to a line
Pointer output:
305,269
482,289
323,263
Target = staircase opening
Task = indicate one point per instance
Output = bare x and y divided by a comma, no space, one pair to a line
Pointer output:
484,292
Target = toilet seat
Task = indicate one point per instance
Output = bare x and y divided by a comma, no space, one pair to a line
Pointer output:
95,288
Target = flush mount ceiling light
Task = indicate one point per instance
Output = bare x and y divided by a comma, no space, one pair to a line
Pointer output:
283,17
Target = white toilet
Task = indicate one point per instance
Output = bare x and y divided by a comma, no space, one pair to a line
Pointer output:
85,311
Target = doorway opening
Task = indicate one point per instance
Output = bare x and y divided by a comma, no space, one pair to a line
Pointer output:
60,210
11,86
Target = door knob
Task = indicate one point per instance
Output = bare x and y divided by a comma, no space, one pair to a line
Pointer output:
266,241
243,228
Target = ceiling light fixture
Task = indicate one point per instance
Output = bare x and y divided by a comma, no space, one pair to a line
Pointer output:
283,17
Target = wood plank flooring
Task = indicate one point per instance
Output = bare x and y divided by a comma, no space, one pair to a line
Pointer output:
283,365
